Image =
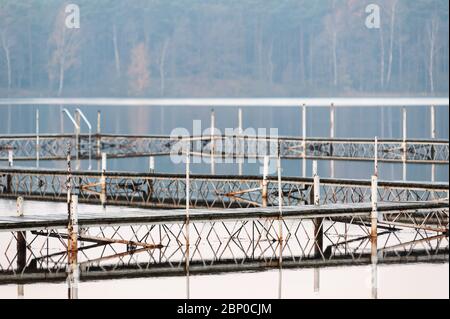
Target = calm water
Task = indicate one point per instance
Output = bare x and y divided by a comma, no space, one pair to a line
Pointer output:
418,280
350,122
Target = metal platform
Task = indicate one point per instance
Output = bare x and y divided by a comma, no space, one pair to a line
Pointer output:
207,191
54,147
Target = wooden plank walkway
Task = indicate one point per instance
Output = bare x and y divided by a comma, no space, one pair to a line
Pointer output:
90,215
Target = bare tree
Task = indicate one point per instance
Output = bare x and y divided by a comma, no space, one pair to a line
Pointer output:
432,31
391,43
66,44
6,45
116,51
138,70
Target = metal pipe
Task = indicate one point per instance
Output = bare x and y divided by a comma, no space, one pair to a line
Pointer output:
404,145
374,212
73,225
10,158
332,133
21,246
433,136
103,181
77,129
151,164
304,140
316,186
188,186
37,138
375,153
240,144
80,113
98,132
213,123
264,181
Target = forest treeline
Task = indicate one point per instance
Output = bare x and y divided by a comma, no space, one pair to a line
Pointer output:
223,48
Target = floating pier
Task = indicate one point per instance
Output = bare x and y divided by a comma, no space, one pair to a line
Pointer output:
53,147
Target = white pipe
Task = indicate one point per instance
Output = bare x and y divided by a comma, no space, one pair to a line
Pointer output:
90,133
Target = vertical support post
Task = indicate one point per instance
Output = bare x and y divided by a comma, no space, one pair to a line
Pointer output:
264,181
240,145
38,146
21,238
188,186
98,133
304,140
374,212
21,247
73,269
213,125
433,136
374,217
280,222
73,225
280,206
316,186
404,145
69,181
103,181
9,176
151,164
332,133
77,131
10,158
375,155
318,222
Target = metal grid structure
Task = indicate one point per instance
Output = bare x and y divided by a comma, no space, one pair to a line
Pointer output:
233,245
53,147
169,190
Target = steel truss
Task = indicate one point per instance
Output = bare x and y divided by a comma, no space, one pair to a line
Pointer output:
219,245
53,147
168,190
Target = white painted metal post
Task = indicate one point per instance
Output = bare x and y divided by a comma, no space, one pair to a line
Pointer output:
213,125
151,164
21,246
433,136
316,187
264,181
187,257
304,140
280,220
374,212
38,146
332,133
73,224
80,113
404,145
375,155
240,144
103,181
73,271
10,158
280,205
374,266
98,133
374,217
